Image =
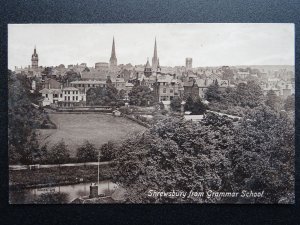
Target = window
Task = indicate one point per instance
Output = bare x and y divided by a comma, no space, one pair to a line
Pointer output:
73,98
61,95
65,98
69,98
46,95
89,85
171,90
68,92
76,98
73,92
164,90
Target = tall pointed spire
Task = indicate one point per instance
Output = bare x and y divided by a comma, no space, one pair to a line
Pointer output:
113,58
155,57
113,50
155,50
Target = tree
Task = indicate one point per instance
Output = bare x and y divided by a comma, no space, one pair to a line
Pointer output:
263,153
272,100
176,104
199,107
173,155
59,153
23,119
121,94
213,92
213,154
195,106
106,96
249,94
71,76
289,104
188,106
141,96
86,153
108,151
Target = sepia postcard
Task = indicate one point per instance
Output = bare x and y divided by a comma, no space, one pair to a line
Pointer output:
151,113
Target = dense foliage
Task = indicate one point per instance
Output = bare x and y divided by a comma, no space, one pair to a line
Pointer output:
87,153
104,96
141,96
176,104
195,106
255,154
23,118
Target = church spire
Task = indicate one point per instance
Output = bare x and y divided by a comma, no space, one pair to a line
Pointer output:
155,57
113,58
113,50
155,50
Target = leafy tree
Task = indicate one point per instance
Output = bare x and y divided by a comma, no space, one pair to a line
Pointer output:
249,94
195,106
106,96
121,94
86,153
59,153
227,73
213,92
199,107
71,76
176,104
188,106
141,96
173,155
255,154
263,153
289,104
108,151
272,100
23,119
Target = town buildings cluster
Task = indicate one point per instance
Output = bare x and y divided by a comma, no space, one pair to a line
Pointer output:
166,82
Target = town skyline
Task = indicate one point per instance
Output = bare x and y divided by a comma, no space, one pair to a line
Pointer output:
172,40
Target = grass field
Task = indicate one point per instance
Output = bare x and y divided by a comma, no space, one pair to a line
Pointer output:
98,129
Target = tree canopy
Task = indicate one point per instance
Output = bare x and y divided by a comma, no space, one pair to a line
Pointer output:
214,154
141,96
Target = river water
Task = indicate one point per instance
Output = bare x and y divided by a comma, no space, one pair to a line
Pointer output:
26,196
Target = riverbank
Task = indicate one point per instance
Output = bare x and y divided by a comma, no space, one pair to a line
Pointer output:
46,177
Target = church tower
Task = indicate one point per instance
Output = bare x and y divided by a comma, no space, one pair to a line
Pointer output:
113,63
34,59
148,70
155,57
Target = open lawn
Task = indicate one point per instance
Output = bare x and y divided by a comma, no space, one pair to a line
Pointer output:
98,129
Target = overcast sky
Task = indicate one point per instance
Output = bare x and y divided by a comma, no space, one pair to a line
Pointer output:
207,44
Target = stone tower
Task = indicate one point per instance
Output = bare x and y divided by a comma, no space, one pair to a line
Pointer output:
113,63
148,69
34,59
155,57
188,63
